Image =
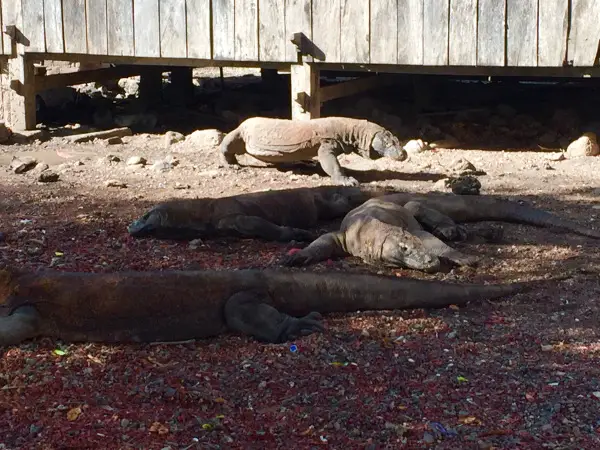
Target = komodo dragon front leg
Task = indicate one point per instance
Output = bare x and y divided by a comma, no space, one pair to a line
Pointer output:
249,313
253,226
22,324
329,245
327,155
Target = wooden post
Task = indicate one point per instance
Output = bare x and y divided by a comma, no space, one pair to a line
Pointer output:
182,85
19,85
306,101
151,86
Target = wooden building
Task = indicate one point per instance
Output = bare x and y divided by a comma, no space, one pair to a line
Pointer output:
470,37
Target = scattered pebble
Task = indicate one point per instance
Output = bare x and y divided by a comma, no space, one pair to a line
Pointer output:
115,184
23,164
173,137
136,160
48,177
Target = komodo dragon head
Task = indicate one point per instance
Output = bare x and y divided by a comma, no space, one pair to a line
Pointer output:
173,220
384,143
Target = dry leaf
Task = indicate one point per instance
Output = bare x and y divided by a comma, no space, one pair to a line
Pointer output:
470,420
159,428
454,307
74,413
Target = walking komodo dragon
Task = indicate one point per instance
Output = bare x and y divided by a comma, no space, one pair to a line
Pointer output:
283,141
408,230
282,215
272,306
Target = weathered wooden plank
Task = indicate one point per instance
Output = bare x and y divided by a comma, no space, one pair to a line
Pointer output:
522,33
198,29
585,32
384,32
119,18
11,15
33,25
223,29
435,40
462,41
74,26
173,39
326,16
297,20
491,33
355,31
271,30
553,21
53,26
410,32
246,30
146,26
97,27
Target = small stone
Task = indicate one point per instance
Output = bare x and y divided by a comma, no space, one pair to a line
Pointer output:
586,145
195,243
415,146
115,140
451,335
136,161
125,423
465,185
115,184
39,168
108,160
547,348
2,237
179,185
173,137
48,177
161,166
441,185
22,165
461,165
172,160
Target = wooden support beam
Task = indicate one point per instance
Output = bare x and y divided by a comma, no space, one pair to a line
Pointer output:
151,86
18,108
86,76
356,86
306,102
182,85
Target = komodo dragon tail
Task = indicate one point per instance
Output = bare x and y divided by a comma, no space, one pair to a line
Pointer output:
338,292
509,211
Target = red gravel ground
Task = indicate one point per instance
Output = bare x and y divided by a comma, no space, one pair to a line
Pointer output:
519,373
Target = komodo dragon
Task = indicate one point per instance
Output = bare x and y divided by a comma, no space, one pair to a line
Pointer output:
282,215
271,306
281,140
389,230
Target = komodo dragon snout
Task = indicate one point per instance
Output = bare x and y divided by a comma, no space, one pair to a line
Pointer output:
386,144
404,250
162,223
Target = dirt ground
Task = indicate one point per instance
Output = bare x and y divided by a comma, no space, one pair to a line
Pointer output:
519,373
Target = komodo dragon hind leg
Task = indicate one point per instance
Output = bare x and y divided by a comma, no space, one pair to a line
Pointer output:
22,324
443,227
325,247
327,155
248,313
437,223
253,226
438,248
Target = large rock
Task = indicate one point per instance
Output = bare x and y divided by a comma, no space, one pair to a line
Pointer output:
173,137
130,86
203,141
586,145
22,165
